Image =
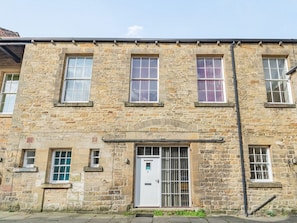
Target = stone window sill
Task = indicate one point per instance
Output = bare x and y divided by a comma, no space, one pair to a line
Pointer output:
5,115
82,104
278,105
25,170
265,185
226,104
56,186
93,169
157,104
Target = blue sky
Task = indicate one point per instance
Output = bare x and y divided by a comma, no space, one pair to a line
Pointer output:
151,19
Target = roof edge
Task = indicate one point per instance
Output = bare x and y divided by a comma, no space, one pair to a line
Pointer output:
26,40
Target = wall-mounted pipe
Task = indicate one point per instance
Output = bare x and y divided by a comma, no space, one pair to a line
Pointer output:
239,129
115,140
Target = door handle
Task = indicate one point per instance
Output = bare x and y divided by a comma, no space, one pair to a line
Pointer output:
158,181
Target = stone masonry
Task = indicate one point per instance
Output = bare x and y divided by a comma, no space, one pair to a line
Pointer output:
41,122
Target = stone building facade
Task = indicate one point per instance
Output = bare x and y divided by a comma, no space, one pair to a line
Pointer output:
114,124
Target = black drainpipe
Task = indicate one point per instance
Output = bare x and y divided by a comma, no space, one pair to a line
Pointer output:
243,178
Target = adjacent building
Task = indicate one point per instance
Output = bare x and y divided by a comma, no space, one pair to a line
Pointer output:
115,124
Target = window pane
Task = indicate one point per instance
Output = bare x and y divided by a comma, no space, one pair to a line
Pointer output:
156,151
210,85
209,63
218,73
153,62
209,73
265,63
148,150
136,62
135,72
274,74
144,90
201,73
267,73
217,62
219,96
30,161
202,96
140,151
200,63
153,73
145,62
144,72
272,63
153,85
210,96
201,85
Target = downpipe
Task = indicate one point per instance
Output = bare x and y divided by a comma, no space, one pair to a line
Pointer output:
239,128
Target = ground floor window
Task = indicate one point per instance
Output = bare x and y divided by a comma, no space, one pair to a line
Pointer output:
61,161
175,177
29,158
260,166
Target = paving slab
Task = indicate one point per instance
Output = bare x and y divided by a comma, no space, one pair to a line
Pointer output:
58,217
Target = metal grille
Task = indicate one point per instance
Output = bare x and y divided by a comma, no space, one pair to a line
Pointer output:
175,177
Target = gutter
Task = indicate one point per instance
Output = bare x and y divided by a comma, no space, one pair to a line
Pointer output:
24,40
239,128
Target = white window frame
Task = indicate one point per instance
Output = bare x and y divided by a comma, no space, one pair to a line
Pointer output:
28,156
140,79
286,96
95,158
12,91
77,80
205,79
261,167
60,166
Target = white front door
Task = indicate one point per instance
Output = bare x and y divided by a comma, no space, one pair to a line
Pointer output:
148,181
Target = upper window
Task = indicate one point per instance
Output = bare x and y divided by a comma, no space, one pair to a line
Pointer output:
77,79
210,79
60,166
277,82
8,93
144,79
260,166
29,158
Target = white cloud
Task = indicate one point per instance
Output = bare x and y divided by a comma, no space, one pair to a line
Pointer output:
134,31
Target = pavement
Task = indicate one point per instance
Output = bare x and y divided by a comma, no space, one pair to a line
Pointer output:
58,217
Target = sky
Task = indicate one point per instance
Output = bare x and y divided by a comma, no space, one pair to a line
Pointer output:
273,19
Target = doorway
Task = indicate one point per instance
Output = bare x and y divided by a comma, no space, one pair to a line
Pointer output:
162,176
